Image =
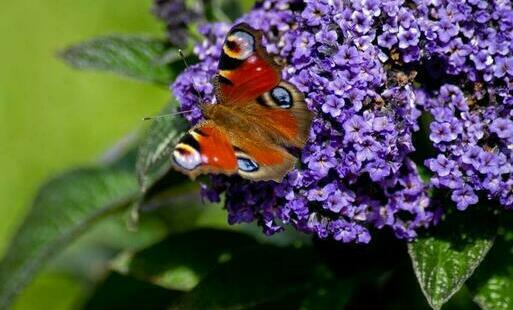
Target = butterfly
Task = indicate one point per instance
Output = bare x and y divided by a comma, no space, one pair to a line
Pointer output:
258,119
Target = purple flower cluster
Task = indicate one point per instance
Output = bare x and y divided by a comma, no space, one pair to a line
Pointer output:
356,64
472,110
474,144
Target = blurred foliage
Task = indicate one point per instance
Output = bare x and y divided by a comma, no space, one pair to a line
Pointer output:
108,242
64,207
52,117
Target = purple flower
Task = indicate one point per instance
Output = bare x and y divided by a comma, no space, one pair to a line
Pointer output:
503,66
340,202
471,156
453,96
447,30
361,22
387,39
355,128
314,12
349,232
442,132
326,36
319,194
464,197
481,60
333,106
441,165
366,149
503,128
408,37
488,163
347,55
378,170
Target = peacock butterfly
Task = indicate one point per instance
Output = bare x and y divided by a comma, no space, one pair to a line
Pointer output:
258,117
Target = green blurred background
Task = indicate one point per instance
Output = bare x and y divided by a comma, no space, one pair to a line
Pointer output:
52,117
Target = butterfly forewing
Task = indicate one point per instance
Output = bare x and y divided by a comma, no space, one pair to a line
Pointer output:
245,69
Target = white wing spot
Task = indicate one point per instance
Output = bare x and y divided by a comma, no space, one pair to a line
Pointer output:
186,157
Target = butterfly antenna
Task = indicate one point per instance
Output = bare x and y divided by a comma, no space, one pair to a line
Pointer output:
149,118
198,94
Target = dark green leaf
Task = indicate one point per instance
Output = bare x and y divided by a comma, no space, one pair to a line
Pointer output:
378,269
63,208
492,283
461,300
181,260
154,159
423,146
180,211
253,278
134,56
124,292
329,295
446,257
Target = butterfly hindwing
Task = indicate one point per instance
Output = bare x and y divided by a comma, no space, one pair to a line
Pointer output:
284,113
206,148
245,69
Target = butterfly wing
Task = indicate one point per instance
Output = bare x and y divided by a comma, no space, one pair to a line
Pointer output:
208,148
250,81
246,71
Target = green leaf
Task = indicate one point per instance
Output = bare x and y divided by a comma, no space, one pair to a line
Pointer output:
255,277
134,56
492,283
64,208
331,294
154,158
446,257
124,292
182,260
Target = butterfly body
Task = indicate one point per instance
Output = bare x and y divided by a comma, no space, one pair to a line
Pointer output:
257,119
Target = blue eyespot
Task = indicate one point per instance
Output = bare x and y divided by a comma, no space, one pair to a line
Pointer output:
281,97
246,164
